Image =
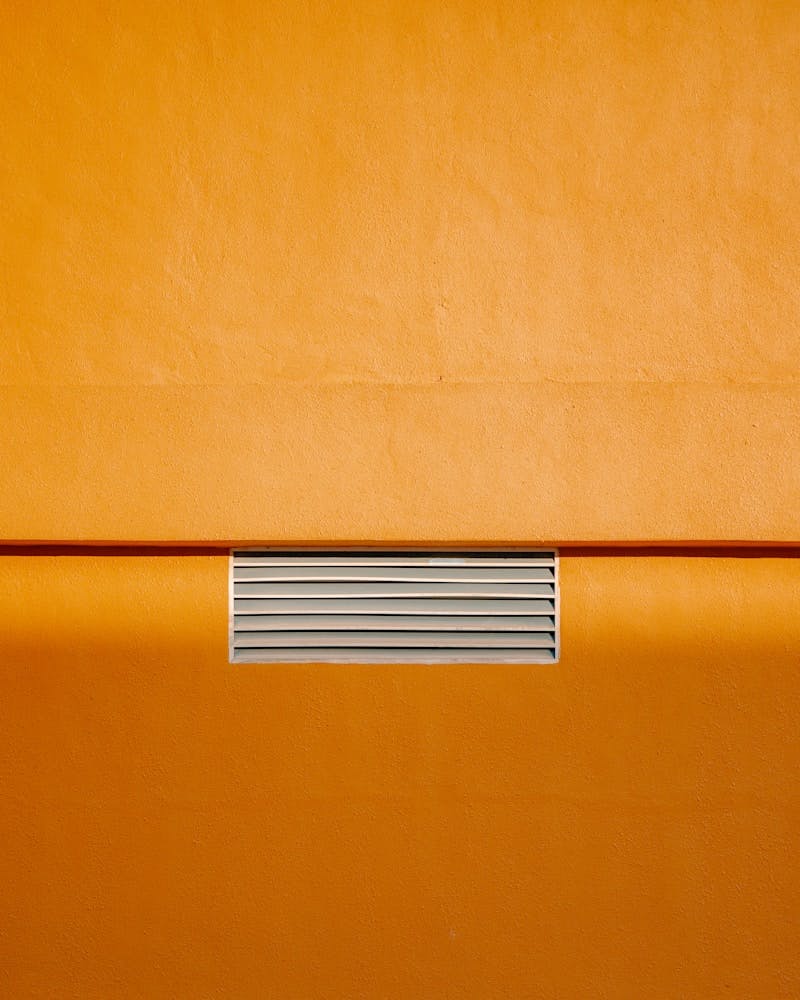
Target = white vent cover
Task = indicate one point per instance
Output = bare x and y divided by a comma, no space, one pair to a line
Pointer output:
374,606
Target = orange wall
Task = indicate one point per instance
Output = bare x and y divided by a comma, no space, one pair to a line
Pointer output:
386,271
458,270
622,824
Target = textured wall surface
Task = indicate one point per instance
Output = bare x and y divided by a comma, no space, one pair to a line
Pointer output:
622,824
396,271
326,271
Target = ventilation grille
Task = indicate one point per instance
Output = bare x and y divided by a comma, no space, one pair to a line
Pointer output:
393,607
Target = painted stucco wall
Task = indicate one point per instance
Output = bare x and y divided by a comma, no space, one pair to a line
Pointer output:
378,272
443,270
623,824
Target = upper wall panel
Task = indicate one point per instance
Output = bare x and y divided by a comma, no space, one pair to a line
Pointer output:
232,191
459,271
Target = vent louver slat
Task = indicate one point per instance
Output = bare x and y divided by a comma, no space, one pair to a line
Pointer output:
393,607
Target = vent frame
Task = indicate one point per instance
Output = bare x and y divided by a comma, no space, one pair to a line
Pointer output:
420,655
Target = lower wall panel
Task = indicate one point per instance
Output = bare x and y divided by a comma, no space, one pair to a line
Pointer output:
620,824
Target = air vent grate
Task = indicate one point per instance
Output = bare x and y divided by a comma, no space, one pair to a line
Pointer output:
371,606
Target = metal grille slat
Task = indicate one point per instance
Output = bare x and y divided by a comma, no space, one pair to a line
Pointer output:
451,639
365,606
323,654
429,623
393,574
281,605
245,558
311,589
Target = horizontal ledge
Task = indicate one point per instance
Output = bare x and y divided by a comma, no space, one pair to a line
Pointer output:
570,547
246,466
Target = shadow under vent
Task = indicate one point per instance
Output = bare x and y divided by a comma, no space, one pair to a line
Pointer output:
374,606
